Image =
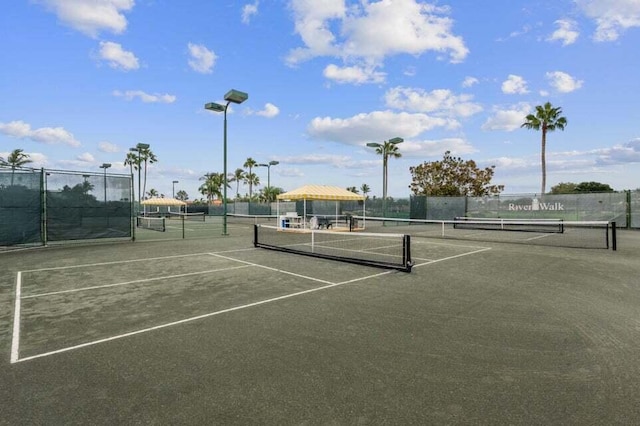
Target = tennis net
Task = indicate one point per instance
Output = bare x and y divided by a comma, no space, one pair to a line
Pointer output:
392,251
152,223
251,219
195,217
574,234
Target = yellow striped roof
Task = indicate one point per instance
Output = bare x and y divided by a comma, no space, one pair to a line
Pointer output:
320,192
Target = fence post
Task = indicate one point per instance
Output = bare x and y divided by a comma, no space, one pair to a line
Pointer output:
43,194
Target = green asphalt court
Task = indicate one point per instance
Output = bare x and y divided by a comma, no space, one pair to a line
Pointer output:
210,330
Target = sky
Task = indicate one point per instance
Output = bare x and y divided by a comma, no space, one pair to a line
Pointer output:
82,81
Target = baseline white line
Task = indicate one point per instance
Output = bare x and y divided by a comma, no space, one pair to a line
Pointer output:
15,340
538,237
133,282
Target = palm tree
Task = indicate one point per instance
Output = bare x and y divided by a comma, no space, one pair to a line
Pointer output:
152,193
252,180
238,176
547,118
212,185
270,193
132,161
17,158
365,190
387,149
182,195
147,156
250,163
352,189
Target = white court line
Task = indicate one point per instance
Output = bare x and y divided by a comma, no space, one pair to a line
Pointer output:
14,359
538,237
15,340
144,280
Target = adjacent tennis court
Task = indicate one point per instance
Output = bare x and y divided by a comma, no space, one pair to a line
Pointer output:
215,330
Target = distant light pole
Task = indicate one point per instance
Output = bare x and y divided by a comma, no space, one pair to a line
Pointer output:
139,148
384,149
236,97
173,190
268,166
105,166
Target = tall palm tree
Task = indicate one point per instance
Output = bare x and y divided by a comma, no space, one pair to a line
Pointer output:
238,176
547,118
365,190
17,158
387,149
148,157
249,164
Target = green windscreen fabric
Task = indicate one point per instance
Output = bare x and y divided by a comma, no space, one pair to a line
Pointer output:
20,207
87,206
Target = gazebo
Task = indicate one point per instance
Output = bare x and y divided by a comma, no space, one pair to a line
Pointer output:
316,192
162,202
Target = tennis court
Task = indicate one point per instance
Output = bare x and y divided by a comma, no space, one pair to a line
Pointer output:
213,330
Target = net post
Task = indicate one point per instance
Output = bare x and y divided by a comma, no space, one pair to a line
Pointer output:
614,239
255,235
406,253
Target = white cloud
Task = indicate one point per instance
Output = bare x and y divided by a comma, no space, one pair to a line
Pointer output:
117,57
440,101
563,82
202,59
435,148
620,154
469,81
566,33
514,84
374,126
90,16
86,158
108,147
145,97
248,11
612,17
508,119
367,32
46,135
338,161
269,110
354,75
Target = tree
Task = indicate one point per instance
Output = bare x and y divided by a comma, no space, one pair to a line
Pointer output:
249,164
453,177
147,156
252,180
17,158
583,187
238,176
182,195
270,193
352,189
387,149
365,190
152,193
212,185
547,119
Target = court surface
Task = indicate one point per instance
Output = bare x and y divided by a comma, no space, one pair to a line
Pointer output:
213,331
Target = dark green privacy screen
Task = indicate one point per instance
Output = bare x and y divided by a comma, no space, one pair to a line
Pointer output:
39,206
20,207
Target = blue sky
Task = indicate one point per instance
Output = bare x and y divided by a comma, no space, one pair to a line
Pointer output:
82,81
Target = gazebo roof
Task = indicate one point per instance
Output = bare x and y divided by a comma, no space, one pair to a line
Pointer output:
163,202
320,192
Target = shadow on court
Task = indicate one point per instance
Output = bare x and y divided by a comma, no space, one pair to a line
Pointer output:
211,330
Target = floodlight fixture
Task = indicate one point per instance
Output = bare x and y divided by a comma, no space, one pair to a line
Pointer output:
236,96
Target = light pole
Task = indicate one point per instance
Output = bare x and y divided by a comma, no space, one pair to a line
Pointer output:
268,166
139,148
105,166
384,149
236,97
173,189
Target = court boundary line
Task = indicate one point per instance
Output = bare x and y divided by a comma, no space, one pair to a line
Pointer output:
15,341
